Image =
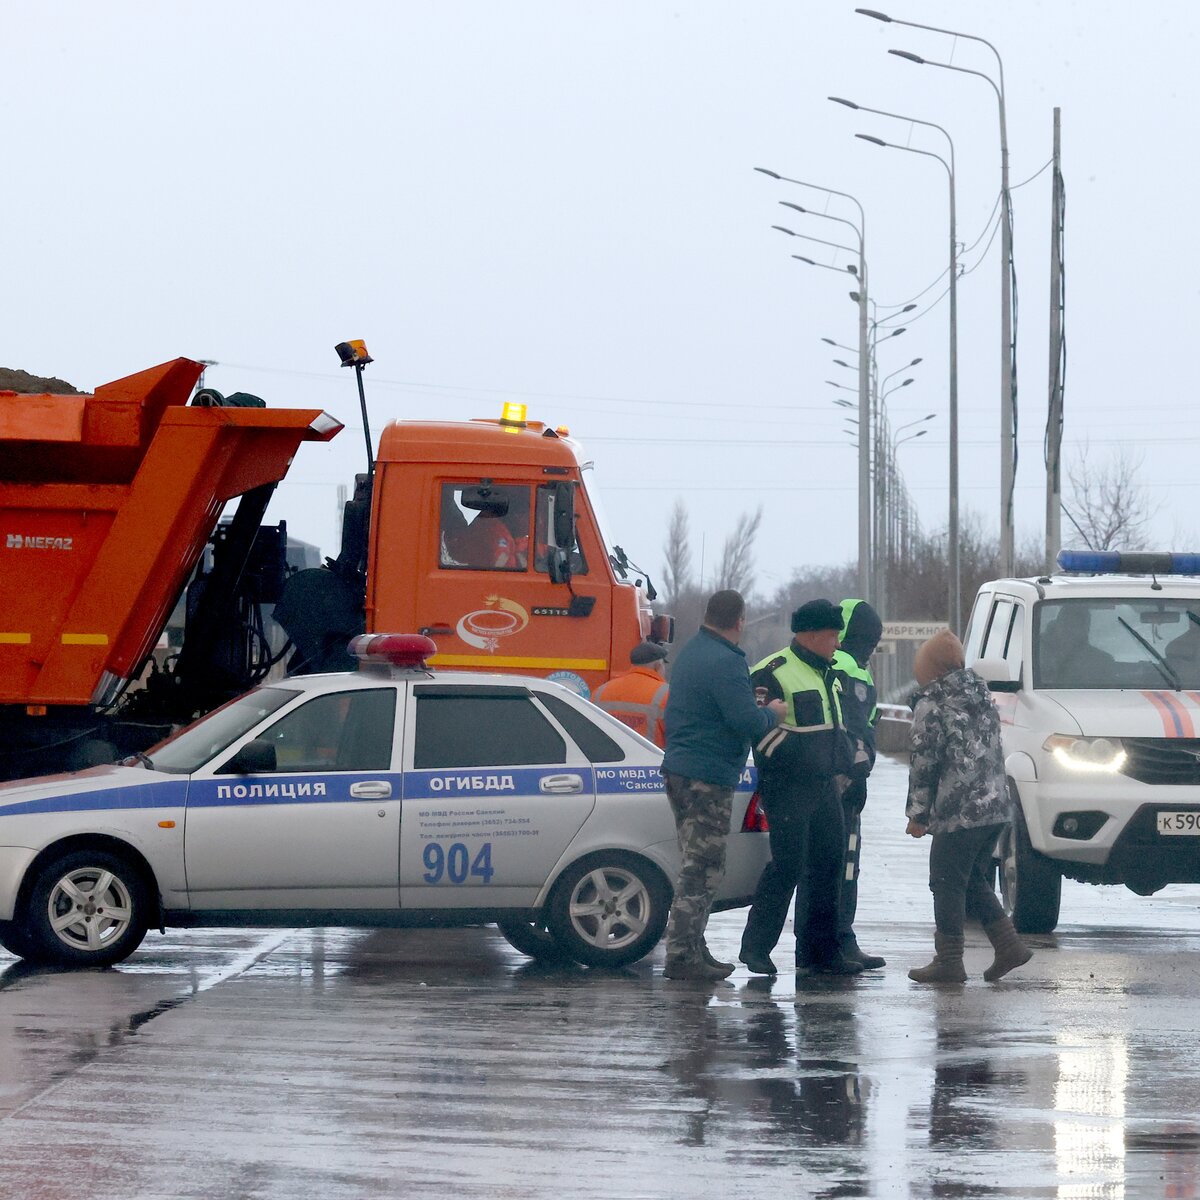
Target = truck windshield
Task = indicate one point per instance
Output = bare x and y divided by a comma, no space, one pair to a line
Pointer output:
1103,643
192,747
588,474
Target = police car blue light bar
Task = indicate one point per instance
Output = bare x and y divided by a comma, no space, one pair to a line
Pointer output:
1119,562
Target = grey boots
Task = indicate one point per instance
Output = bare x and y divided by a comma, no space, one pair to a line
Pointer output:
1010,951
947,965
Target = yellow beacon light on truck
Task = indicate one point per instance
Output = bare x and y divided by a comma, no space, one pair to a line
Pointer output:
512,416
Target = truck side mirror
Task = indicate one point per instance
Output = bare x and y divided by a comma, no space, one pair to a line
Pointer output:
995,673
562,533
254,758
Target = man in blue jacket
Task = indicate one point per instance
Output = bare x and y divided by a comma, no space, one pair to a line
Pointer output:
712,719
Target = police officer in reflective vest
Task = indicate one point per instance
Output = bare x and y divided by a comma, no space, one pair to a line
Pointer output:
860,636
638,698
803,764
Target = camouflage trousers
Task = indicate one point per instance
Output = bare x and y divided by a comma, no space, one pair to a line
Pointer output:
702,813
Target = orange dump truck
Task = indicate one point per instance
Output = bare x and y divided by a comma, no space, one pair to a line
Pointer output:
107,503
481,534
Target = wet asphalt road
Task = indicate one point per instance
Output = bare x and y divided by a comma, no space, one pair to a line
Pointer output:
339,1063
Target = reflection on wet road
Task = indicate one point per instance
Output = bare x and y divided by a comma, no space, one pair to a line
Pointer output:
337,1064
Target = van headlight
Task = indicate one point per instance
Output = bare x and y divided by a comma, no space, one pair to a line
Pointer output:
1085,754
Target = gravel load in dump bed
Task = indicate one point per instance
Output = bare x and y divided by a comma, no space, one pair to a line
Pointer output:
21,381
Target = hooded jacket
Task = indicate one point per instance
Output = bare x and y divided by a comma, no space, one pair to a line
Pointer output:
860,636
956,777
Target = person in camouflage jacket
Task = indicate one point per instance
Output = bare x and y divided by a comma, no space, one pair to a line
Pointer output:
958,792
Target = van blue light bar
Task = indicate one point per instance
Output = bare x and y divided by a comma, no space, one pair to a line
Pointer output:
1117,562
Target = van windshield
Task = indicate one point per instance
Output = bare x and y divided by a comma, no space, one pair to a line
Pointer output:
1102,643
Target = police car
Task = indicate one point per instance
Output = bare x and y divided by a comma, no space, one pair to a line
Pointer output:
390,796
1096,673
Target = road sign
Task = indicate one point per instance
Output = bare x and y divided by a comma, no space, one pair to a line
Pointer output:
912,631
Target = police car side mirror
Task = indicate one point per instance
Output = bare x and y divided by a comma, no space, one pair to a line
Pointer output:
995,673
254,758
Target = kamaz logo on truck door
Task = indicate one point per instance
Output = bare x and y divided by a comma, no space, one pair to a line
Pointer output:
17,541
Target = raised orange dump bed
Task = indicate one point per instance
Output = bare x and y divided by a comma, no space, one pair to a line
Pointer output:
106,503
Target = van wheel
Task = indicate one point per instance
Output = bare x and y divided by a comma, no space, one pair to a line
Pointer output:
609,909
532,938
89,908
1030,883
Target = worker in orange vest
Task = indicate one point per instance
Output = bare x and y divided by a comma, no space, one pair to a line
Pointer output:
639,696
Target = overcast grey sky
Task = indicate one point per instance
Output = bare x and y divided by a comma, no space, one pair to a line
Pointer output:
555,202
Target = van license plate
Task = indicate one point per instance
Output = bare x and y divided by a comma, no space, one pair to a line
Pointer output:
1179,823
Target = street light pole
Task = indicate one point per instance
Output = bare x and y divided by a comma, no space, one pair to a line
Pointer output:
1007,357
864,388
954,572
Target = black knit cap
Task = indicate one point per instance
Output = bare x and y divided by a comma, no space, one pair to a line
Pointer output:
816,614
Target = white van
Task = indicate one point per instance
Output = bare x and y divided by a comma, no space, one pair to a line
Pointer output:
1097,679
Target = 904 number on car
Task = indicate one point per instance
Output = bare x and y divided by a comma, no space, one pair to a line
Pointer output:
455,864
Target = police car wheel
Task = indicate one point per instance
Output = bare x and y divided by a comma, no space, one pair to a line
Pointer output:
1030,883
87,908
609,909
532,938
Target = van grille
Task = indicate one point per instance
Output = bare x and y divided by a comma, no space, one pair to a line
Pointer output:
1162,760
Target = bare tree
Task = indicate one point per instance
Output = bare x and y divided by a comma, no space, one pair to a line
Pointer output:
1108,507
677,553
737,557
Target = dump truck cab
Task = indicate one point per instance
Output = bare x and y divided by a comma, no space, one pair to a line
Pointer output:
484,537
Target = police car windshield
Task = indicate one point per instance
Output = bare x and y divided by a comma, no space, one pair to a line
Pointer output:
191,748
1103,643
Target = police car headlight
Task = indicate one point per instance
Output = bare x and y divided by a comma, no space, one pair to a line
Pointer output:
1085,754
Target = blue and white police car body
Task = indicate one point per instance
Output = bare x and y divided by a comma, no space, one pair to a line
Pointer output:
390,796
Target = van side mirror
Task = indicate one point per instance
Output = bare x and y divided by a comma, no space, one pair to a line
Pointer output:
995,673
254,758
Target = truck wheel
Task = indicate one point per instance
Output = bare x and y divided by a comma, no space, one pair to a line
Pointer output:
89,908
1030,883
532,938
609,909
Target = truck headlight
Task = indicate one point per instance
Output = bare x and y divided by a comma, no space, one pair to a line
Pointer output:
1085,754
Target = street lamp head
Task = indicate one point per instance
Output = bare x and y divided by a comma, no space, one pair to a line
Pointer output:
898,332
830,341
840,363
930,417
909,55
772,174
915,361
789,204
856,297
847,103
920,433
906,382
877,16
852,269
866,137
782,229
908,308
804,260
841,402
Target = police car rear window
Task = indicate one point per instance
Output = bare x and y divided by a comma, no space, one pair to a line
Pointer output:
483,730
594,742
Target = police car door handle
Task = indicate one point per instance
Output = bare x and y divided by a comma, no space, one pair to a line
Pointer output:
371,789
561,785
